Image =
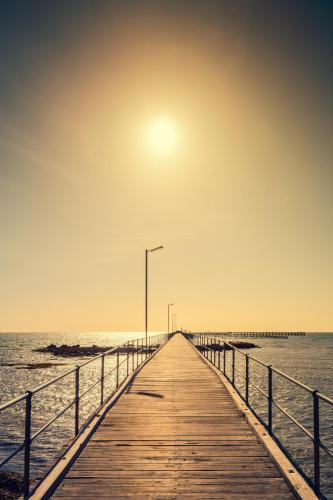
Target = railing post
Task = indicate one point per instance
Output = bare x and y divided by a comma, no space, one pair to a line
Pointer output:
316,441
219,356
137,352
132,355
215,352
117,381
270,399
127,359
102,378
77,400
233,366
247,373
27,445
224,355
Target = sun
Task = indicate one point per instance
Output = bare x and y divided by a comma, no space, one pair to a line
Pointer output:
162,135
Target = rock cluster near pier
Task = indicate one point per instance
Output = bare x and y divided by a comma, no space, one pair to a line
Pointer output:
31,366
11,485
220,346
67,351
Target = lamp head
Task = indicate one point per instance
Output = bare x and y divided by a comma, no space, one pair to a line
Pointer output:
156,248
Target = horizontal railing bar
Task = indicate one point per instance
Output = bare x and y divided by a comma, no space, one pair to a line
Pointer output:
105,375
242,374
94,412
109,372
258,389
89,388
296,422
105,353
53,381
249,355
324,448
114,368
291,379
9,457
325,398
50,422
13,402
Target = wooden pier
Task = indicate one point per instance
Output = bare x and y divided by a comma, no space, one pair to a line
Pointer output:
175,432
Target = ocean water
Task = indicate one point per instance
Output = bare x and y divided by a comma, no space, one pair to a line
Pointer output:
309,359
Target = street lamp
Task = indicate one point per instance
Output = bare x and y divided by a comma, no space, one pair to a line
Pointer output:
173,322
169,305
146,294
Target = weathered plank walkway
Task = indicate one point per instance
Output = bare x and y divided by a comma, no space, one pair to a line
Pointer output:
175,433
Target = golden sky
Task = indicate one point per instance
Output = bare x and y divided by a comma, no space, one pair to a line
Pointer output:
239,193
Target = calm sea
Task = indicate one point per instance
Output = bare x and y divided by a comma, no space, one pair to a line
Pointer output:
308,359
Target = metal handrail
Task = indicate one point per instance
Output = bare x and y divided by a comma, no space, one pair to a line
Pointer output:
138,347
293,380
258,389
51,382
12,455
207,342
13,402
294,420
325,398
50,422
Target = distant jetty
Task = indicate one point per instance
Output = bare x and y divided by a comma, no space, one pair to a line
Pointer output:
261,335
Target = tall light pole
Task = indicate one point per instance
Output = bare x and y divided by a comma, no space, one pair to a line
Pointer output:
169,305
146,294
173,322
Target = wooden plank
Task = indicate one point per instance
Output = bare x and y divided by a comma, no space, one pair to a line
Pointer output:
174,433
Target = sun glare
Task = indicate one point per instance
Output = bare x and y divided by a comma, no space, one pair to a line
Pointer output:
162,135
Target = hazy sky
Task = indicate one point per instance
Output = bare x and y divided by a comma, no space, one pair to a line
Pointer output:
242,201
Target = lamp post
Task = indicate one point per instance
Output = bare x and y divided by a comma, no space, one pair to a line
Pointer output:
173,322
169,305
146,288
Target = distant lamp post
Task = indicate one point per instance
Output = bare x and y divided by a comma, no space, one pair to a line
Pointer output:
173,322
146,292
169,305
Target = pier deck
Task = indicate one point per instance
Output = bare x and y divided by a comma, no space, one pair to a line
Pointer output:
175,433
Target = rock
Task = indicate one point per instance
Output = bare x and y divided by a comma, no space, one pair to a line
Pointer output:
220,347
32,366
67,351
11,485
240,344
